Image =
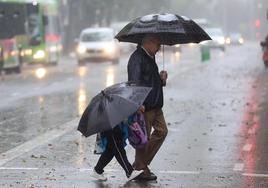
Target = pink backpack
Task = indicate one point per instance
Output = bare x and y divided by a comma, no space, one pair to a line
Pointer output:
137,134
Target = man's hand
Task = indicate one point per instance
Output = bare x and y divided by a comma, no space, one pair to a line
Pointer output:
163,76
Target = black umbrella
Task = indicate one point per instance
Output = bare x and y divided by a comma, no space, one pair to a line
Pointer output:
111,106
171,28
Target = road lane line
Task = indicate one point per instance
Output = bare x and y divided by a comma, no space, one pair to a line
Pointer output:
91,169
37,141
238,167
247,147
160,171
106,170
17,168
178,172
255,175
8,120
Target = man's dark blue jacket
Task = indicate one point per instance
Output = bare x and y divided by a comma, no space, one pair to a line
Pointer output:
143,69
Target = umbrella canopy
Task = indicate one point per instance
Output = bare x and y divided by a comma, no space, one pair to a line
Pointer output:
171,28
111,106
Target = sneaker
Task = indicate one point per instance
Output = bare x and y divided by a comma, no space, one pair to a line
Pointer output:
134,174
146,177
97,176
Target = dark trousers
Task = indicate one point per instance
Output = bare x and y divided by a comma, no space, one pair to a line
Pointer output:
115,147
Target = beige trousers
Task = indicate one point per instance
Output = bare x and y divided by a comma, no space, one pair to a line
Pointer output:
154,119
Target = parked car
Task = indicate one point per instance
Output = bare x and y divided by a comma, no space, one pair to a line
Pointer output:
217,36
97,44
235,38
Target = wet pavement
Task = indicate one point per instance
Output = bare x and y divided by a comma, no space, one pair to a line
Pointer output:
216,114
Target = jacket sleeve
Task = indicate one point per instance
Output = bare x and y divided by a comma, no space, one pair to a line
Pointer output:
134,68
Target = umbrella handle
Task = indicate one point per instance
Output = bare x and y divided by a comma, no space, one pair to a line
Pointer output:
163,57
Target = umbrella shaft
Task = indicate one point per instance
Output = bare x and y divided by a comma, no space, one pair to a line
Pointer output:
163,57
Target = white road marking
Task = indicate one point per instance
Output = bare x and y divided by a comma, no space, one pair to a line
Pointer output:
106,170
38,141
17,168
10,119
160,171
238,167
91,169
178,172
255,175
247,147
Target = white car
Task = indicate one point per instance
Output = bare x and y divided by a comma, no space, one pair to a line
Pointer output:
217,36
97,44
235,38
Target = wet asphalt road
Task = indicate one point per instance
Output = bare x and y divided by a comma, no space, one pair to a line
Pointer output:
216,114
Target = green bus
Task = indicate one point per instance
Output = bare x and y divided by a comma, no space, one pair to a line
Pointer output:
30,33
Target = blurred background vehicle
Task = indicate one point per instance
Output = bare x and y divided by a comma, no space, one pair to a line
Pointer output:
125,47
29,33
264,46
234,38
218,39
174,48
97,44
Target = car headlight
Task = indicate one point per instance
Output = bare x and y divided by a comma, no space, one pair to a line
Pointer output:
241,40
53,49
228,40
110,49
40,54
81,49
28,52
221,40
14,52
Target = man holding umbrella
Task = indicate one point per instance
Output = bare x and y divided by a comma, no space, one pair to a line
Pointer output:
143,68
149,32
